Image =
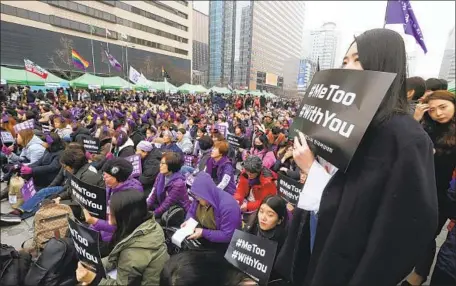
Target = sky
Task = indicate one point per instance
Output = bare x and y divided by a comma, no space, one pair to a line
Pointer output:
435,18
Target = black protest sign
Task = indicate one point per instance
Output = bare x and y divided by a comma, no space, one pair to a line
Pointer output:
234,140
289,189
86,241
337,109
92,198
91,145
46,128
252,255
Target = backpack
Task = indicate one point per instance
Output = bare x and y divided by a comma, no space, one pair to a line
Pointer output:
50,221
173,217
187,244
56,265
13,265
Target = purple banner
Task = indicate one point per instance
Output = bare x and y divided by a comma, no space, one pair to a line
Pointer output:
135,160
28,190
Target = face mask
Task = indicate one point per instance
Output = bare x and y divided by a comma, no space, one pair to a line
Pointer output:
259,147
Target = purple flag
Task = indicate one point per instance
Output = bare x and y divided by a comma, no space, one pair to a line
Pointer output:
114,63
401,12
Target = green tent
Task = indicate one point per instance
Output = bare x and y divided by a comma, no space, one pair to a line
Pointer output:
115,82
87,81
451,86
201,89
221,90
255,92
163,86
23,77
238,91
187,88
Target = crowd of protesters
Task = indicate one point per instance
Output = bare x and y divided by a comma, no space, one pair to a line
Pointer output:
374,224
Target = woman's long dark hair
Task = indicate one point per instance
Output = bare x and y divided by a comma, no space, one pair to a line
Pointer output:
443,135
384,50
57,143
129,208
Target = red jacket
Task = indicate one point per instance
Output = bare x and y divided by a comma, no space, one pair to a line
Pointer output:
266,187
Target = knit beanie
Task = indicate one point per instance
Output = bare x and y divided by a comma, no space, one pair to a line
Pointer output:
119,168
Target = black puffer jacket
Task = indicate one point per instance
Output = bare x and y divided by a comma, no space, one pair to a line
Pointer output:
150,169
46,169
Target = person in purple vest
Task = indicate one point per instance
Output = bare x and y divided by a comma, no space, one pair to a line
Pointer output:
220,169
169,188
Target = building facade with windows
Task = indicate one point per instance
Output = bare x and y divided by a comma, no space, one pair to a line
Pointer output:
200,61
447,68
147,35
324,45
259,43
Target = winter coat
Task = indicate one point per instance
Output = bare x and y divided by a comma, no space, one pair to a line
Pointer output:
64,133
202,161
172,147
150,169
266,187
137,136
30,153
106,230
217,170
46,169
126,150
166,196
226,211
185,145
86,174
139,258
383,203
80,133
266,156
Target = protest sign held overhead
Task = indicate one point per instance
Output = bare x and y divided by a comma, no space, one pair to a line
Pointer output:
86,241
234,140
289,189
222,129
91,145
337,109
252,255
92,198
135,160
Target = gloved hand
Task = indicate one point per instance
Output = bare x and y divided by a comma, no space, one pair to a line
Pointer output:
26,170
109,155
6,150
88,155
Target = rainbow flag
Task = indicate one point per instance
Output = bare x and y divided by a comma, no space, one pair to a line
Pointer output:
79,61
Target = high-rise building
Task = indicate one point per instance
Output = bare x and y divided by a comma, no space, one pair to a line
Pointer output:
249,48
147,35
307,69
200,53
447,68
324,45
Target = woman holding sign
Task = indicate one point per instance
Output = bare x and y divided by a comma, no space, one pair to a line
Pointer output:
138,245
370,224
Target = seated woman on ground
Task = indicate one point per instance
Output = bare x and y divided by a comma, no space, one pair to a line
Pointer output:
138,245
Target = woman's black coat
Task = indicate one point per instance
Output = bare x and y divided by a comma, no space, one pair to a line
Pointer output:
376,219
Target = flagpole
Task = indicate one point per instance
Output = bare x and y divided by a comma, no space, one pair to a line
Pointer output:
386,11
107,46
93,56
